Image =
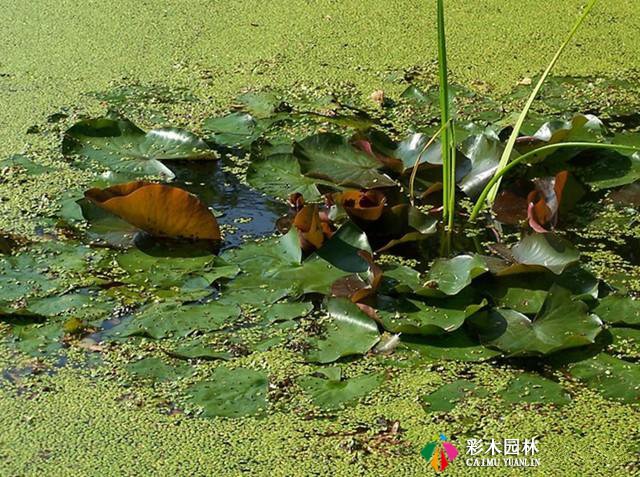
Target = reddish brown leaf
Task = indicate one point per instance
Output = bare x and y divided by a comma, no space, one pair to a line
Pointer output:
158,209
364,204
309,226
357,288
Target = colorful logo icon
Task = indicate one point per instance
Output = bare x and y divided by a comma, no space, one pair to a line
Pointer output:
439,453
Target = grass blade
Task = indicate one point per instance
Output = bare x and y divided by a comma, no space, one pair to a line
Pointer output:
504,159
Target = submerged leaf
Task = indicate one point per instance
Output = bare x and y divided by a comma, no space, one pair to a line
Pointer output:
158,209
231,393
531,388
447,396
332,393
613,377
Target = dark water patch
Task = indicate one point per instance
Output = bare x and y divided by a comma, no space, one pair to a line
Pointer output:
247,211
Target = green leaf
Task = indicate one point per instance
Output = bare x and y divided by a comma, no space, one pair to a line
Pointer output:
119,145
450,276
166,265
341,250
483,151
455,346
531,388
261,104
447,396
411,147
24,163
607,169
157,370
231,393
330,157
198,349
614,378
332,393
239,129
287,311
160,320
562,323
280,175
349,332
545,250
273,269
433,316
619,310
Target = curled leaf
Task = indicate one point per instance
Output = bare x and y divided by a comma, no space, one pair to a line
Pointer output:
544,201
363,204
310,230
158,209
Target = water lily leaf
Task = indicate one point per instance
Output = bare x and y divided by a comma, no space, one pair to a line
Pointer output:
524,293
619,310
544,201
157,370
607,169
287,311
404,223
332,393
342,249
261,104
24,163
456,346
171,265
121,146
434,316
273,269
37,339
161,320
231,393
358,287
614,378
280,175
81,305
539,251
413,146
349,332
330,157
581,127
531,388
450,276
399,279
447,396
239,129
484,152
158,209
362,204
198,349
562,323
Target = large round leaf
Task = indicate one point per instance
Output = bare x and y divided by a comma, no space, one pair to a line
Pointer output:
121,146
158,209
330,157
349,332
561,323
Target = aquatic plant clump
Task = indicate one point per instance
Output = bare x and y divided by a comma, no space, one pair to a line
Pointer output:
354,250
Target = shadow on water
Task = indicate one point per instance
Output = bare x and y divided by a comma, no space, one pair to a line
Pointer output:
247,211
